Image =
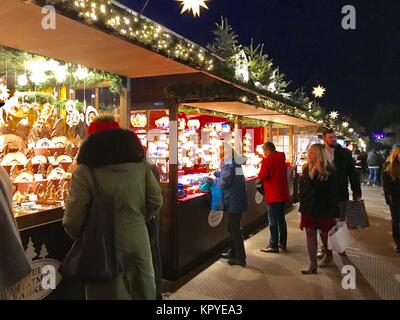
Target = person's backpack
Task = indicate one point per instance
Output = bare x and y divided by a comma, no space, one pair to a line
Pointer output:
93,257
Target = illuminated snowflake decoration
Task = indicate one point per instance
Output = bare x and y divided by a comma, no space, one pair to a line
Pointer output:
351,130
319,91
345,124
334,115
193,5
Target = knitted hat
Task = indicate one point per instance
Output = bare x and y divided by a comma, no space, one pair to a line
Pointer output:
100,124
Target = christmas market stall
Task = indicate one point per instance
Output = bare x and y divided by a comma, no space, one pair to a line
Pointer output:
52,83
184,133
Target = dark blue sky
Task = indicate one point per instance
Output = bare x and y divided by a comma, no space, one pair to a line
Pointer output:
360,68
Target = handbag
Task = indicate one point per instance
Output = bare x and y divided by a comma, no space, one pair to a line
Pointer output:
338,237
356,215
93,257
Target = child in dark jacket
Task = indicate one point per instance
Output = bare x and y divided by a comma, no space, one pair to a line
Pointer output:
318,204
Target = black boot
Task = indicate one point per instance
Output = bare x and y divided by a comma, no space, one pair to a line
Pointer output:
227,255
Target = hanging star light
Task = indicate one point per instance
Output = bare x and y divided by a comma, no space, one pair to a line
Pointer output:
334,115
193,5
345,124
351,130
319,91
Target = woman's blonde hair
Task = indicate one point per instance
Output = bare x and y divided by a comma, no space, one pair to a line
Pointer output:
321,165
393,164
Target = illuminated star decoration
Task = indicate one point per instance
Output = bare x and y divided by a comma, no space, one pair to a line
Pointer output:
345,124
351,130
193,5
318,92
334,115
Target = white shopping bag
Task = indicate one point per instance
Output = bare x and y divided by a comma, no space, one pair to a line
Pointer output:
339,237
259,198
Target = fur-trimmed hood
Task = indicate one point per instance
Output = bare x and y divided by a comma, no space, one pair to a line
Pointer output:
110,147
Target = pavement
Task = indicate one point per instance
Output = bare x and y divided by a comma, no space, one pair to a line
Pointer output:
278,276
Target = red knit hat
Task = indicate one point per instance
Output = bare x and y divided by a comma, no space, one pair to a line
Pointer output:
100,125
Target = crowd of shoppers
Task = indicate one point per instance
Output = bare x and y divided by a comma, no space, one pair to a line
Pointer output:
113,159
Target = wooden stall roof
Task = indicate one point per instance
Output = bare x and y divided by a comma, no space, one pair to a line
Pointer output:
75,42
250,111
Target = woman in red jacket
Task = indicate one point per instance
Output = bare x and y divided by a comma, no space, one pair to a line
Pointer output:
273,173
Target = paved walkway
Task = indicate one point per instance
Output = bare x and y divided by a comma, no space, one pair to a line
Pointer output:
278,277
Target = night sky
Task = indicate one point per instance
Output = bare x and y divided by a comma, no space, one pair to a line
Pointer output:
360,68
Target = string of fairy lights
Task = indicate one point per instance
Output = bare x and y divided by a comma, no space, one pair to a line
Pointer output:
145,32
140,29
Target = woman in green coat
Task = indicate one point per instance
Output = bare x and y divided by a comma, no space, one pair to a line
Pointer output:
118,161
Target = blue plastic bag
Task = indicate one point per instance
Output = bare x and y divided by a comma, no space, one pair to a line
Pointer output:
217,197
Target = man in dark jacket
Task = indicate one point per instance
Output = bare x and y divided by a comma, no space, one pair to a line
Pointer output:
342,161
375,161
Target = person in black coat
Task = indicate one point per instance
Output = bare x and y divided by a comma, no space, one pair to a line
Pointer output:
342,160
318,204
235,204
391,188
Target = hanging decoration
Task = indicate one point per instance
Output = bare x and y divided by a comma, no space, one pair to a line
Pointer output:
319,91
193,5
334,115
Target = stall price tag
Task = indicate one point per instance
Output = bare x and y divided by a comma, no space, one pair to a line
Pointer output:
38,177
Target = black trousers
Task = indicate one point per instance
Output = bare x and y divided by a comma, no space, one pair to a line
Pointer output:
153,228
235,236
395,211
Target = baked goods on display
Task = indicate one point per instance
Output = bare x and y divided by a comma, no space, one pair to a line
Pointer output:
14,158
56,174
28,166
10,141
64,159
60,141
24,177
42,170
36,148
39,160
45,143
90,114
